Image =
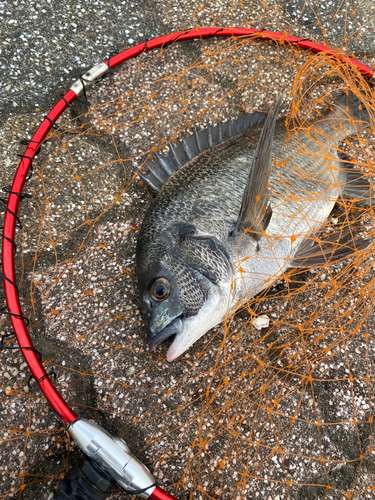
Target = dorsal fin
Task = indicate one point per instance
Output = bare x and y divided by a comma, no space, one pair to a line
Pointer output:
189,147
255,213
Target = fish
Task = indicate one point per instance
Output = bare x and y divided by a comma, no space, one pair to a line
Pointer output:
236,205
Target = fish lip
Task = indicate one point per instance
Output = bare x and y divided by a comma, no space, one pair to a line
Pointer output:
175,327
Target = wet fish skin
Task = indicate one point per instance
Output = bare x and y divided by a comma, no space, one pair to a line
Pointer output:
189,232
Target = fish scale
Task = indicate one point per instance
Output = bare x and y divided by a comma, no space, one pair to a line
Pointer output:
189,193
192,236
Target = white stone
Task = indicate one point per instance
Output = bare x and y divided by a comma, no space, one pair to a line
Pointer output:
261,322
130,370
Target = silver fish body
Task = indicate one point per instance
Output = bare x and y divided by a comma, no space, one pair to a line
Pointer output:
195,259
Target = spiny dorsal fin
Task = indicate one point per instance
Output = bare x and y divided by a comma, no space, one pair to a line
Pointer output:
189,147
255,213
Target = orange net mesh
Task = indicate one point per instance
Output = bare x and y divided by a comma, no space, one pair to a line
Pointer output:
280,412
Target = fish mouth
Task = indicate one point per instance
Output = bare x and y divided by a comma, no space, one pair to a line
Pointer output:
174,328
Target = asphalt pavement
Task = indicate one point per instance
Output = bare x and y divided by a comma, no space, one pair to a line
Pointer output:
46,45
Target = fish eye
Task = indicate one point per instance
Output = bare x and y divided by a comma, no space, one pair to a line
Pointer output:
160,289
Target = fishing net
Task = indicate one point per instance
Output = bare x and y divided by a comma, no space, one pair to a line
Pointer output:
283,411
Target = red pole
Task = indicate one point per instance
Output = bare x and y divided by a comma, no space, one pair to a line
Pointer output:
159,494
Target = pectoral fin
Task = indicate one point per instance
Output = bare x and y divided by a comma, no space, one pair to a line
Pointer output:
255,213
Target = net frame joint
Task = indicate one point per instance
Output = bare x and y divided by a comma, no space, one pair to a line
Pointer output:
112,455
89,78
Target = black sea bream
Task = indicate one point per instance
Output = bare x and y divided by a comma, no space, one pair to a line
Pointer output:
237,205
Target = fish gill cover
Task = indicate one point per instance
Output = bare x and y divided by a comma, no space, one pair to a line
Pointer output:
283,410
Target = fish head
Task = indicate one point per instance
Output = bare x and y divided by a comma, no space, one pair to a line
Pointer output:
161,304
180,293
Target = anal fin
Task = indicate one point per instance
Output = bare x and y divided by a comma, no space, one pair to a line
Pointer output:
315,252
357,188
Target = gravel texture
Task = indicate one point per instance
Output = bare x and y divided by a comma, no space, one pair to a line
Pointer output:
46,45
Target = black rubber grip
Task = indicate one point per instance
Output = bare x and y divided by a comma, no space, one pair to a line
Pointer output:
86,482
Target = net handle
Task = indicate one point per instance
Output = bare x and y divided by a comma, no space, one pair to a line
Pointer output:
159,494
35,365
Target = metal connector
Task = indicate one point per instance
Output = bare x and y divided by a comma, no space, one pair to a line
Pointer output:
113,455
89,78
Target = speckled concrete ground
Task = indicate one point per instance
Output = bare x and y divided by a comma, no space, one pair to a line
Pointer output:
96,344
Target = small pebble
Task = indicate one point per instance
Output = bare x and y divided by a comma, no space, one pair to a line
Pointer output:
130,370
261,322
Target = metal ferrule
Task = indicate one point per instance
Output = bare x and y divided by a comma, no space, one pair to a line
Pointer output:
113,456
89,78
